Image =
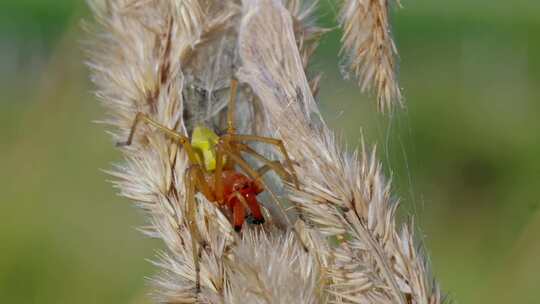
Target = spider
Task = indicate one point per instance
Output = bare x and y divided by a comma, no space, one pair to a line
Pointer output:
213,169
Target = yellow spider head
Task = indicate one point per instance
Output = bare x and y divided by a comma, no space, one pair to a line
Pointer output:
204,141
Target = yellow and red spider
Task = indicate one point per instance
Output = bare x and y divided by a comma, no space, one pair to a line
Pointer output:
214,163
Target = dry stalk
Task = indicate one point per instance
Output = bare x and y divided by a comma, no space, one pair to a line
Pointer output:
173,60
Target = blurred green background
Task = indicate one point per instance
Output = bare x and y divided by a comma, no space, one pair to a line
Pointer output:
464,155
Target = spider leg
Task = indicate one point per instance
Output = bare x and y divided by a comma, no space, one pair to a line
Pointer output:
239,211
225,149
271,141
268,164
181,139
191,221
249,201
218,178
262,170
195,181
232,107
202,184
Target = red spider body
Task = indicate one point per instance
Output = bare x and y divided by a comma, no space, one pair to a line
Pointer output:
236,184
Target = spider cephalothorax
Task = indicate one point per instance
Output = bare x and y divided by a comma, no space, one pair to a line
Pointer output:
214,169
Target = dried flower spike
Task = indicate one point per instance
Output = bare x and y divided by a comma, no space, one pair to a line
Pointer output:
370,49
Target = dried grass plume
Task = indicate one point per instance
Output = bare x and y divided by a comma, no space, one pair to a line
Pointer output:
370,50
173,60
